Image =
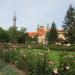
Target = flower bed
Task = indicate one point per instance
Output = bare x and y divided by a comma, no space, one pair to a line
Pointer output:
41,62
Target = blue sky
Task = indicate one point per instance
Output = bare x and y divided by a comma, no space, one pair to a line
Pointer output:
30,13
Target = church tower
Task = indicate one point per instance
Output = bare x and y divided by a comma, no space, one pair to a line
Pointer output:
14,19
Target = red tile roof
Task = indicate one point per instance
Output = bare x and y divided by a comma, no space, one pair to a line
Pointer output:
32,34
41,32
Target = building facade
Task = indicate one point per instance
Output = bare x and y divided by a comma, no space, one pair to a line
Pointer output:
41,34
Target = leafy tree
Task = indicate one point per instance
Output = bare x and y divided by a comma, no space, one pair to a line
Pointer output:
21,35
69,25
13,34
3,35
52,34
28,39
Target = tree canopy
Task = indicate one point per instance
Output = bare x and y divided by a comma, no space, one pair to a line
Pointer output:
69,25
3,35
52,34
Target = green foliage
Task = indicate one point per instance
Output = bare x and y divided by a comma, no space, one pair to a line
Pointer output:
8,56
2,64
67,59
13,34
40,62
6,69
69,24
3,35
52,34
18,36
28,39
22,35
61,47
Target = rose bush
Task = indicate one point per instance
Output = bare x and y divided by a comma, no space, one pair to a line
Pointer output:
40,62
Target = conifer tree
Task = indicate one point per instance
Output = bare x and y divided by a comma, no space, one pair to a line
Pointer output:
69,25
52,34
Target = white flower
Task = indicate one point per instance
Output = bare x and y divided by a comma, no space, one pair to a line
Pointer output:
41,54
71,56
55,70
67,67
68,45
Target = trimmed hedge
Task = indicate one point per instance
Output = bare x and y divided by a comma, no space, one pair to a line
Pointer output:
62,48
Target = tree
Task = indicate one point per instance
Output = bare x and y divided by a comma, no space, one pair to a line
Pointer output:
52,34
3,35
22,35
13,34
69,25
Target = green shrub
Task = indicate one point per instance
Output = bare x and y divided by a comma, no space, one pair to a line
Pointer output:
61,47
67,59
39,61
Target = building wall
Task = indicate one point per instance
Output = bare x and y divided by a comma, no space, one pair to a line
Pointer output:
41,34
41,39
61,36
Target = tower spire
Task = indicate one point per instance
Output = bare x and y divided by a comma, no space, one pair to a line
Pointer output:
14,19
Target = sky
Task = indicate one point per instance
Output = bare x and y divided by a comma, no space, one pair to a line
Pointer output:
30,13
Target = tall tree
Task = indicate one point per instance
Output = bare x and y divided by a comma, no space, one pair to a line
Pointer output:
22,35
13,34
52,34
69,25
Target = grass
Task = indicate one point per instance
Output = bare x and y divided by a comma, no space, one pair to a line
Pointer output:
55,57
